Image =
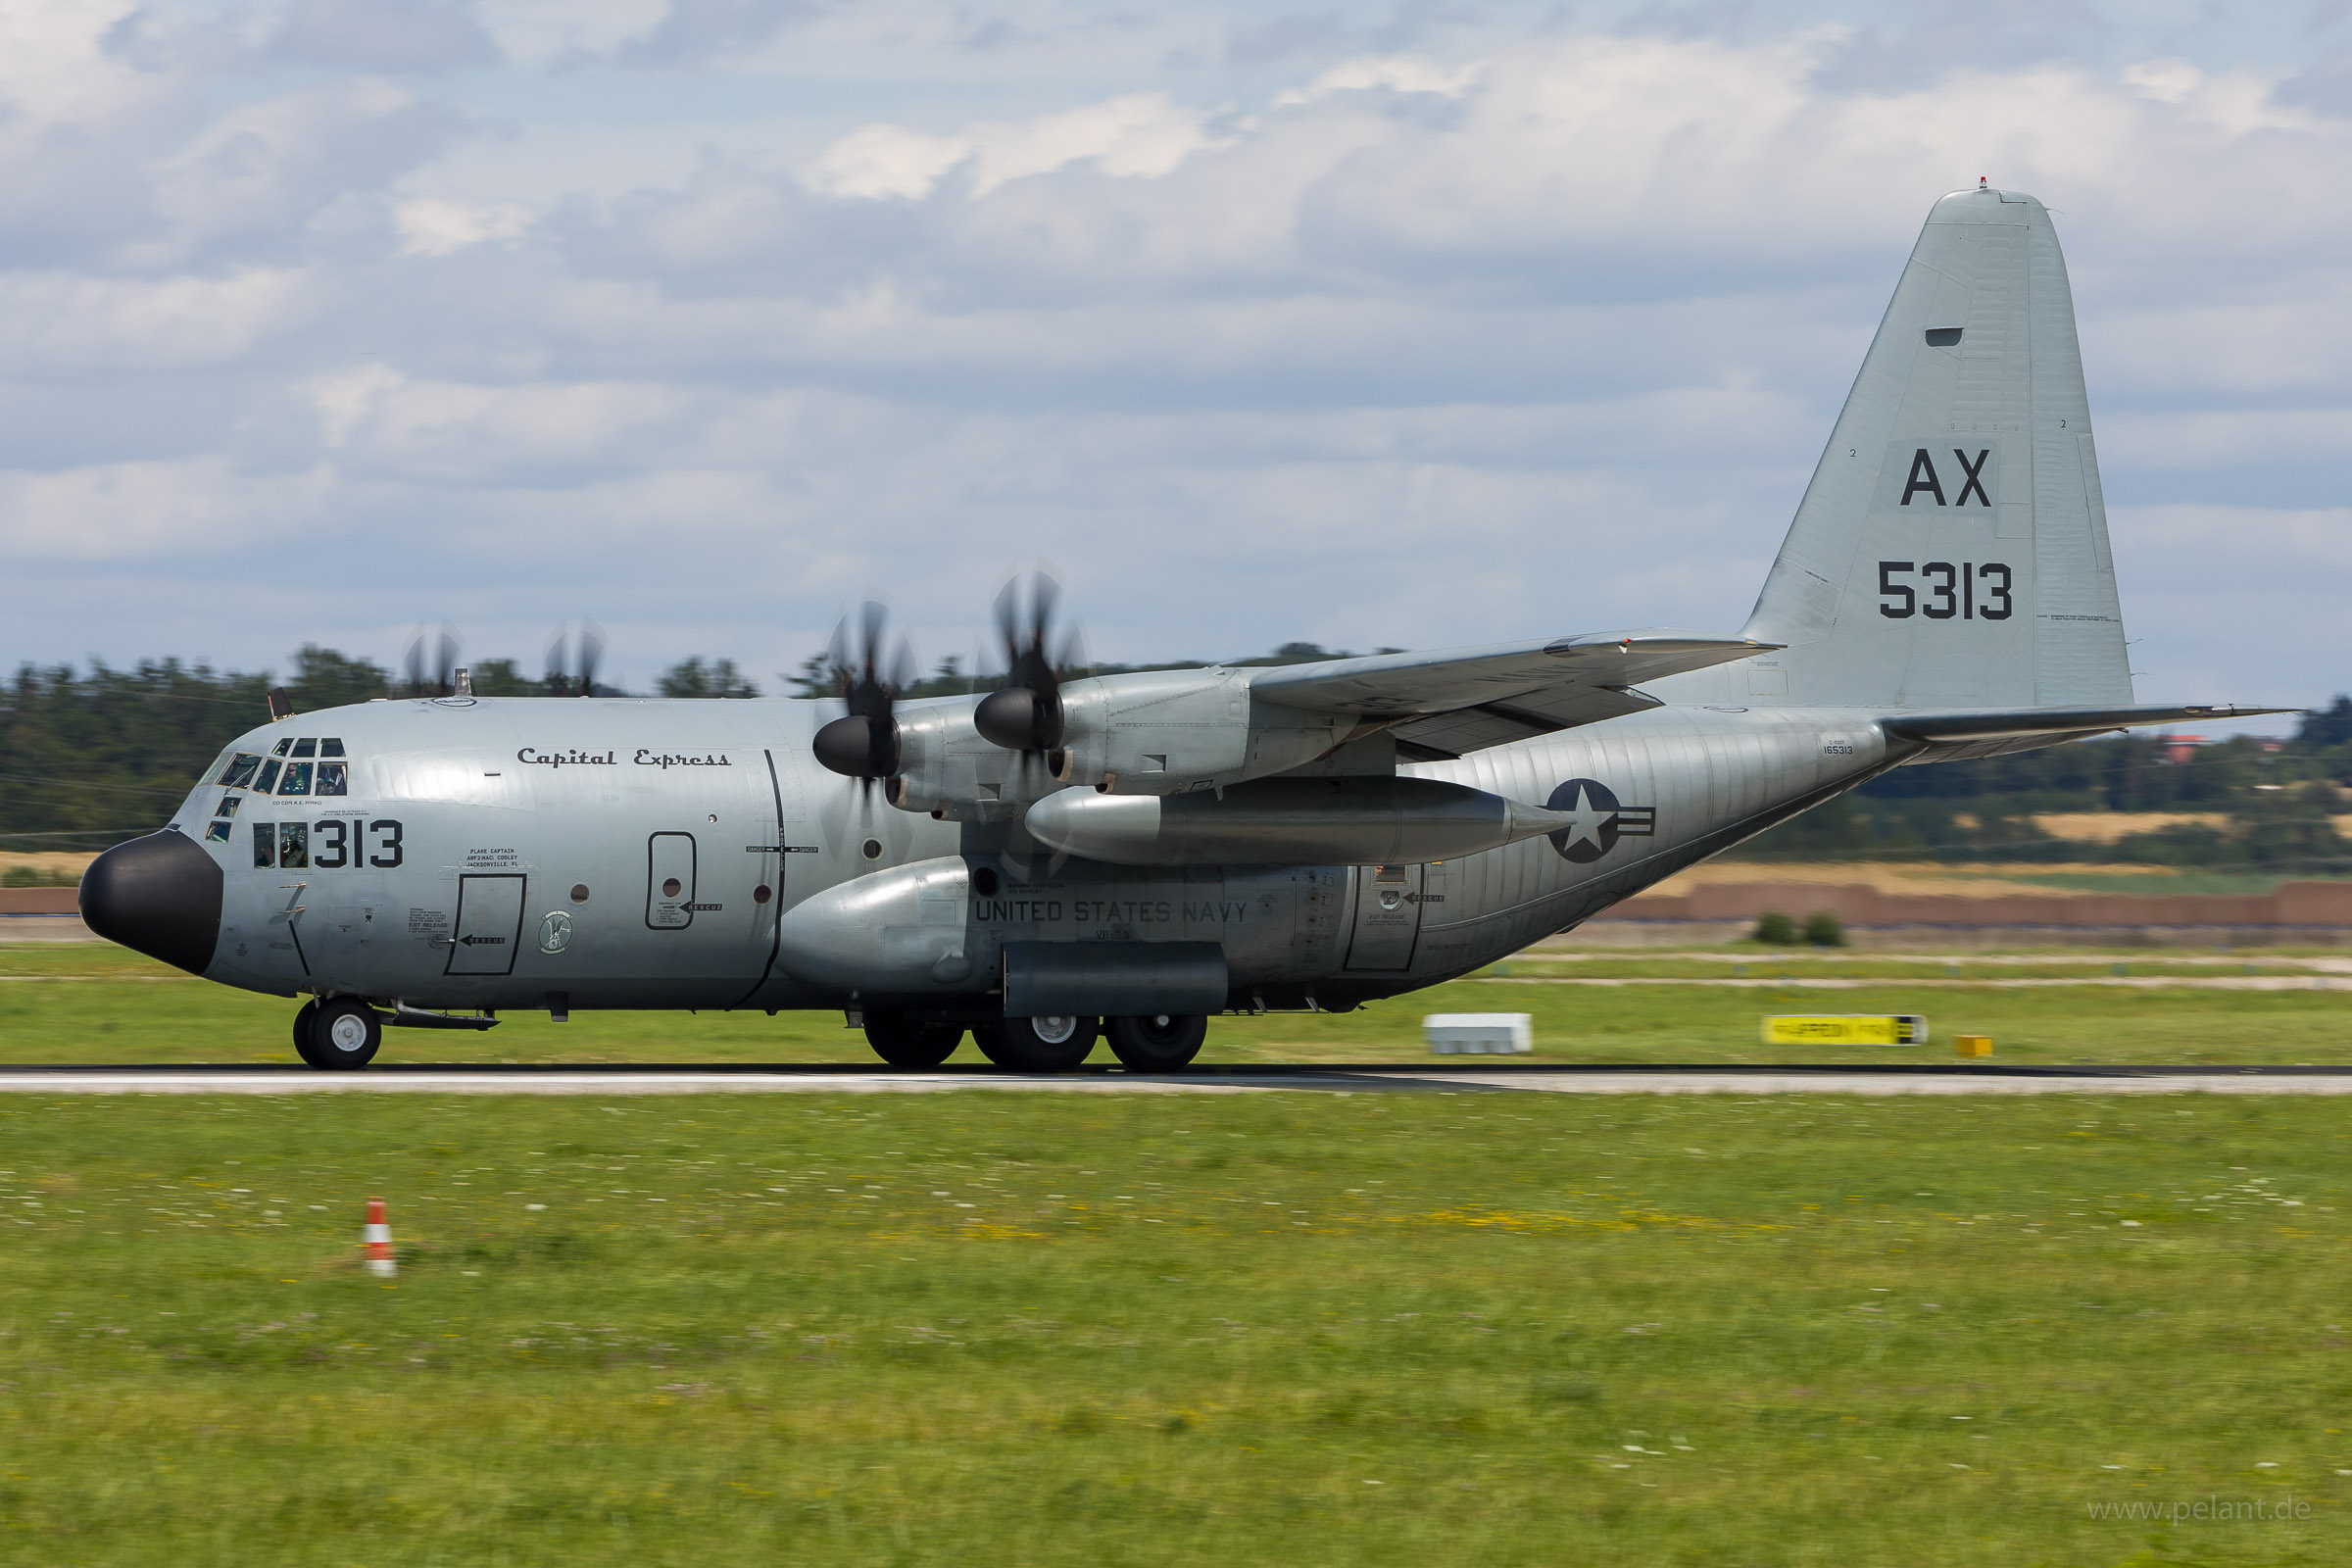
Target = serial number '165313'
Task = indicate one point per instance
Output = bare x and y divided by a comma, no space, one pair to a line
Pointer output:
1971,590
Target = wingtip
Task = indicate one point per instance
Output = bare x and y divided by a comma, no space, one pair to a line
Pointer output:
2234,711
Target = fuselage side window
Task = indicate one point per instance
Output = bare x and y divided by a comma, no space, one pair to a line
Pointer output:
265,845
294,846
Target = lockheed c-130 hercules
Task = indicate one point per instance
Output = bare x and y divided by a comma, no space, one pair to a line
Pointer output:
1127,854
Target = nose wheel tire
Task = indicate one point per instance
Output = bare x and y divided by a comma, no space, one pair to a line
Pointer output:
1036,1044
905,1043
343,1036
1161,1044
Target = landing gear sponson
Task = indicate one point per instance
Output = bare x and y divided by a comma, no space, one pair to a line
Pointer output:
1163,1042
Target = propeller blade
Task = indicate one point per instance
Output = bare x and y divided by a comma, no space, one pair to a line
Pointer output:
559,677
1024,714
592,654
863,743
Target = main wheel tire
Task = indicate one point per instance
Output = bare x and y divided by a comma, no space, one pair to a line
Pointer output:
305,1017
903,1042
1036,1044
345,1035
1162,1044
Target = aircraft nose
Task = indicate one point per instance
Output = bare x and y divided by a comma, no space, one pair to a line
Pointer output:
160,894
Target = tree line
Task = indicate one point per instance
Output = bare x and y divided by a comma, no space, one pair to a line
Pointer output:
92,756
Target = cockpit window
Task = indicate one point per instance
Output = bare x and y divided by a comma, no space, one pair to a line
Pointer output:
240,771
296,780
332,779
306,747
216,831
269,779
282,747
227,806
330,747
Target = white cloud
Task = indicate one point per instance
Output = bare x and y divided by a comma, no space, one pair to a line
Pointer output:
1140,137
63,323
698,319
429,228
156,512
1395,73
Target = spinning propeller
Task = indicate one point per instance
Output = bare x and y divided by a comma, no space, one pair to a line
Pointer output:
441,680
864,744
574,676
1024,715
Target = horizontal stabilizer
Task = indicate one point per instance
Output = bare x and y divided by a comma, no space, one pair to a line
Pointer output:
1981,725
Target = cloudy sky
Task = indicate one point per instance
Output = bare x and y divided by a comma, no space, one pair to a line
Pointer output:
1410,323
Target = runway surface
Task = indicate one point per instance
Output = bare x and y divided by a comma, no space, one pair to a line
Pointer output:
1384,1077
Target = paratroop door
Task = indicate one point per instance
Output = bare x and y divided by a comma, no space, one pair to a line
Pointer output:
1388,916
489,924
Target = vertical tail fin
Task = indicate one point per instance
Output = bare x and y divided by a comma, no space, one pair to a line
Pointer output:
1951,550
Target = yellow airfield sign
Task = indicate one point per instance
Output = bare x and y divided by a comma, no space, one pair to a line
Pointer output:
1847,1029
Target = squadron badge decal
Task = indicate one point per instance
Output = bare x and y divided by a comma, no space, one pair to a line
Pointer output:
1600,820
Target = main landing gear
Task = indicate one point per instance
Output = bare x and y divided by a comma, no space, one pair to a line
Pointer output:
337,1035
1165,1043
903,1042
1161,1044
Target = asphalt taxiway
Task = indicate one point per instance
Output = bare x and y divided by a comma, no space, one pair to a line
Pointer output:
1353,1078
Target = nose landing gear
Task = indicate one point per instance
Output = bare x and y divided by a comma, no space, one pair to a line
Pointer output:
338,1035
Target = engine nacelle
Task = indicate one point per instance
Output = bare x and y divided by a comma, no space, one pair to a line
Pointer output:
1154,732
1287,822
946,769
1166,732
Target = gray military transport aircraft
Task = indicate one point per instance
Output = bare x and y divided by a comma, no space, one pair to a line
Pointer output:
1061,858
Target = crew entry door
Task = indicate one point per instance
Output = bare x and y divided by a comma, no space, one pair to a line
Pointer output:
669,881
1388,916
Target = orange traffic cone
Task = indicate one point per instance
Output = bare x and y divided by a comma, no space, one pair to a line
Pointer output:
376,1241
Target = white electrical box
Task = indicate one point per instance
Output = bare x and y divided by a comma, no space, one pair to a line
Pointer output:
1479,1034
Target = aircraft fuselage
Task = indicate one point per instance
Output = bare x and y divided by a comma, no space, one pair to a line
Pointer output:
514,854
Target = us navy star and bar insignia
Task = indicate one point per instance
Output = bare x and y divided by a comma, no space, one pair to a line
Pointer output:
1600,820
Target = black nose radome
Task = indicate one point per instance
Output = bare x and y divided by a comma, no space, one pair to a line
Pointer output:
160,894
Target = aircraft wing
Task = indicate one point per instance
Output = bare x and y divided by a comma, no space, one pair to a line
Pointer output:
1443,705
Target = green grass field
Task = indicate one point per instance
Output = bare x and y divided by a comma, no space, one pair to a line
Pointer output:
1083,1329
95,1003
